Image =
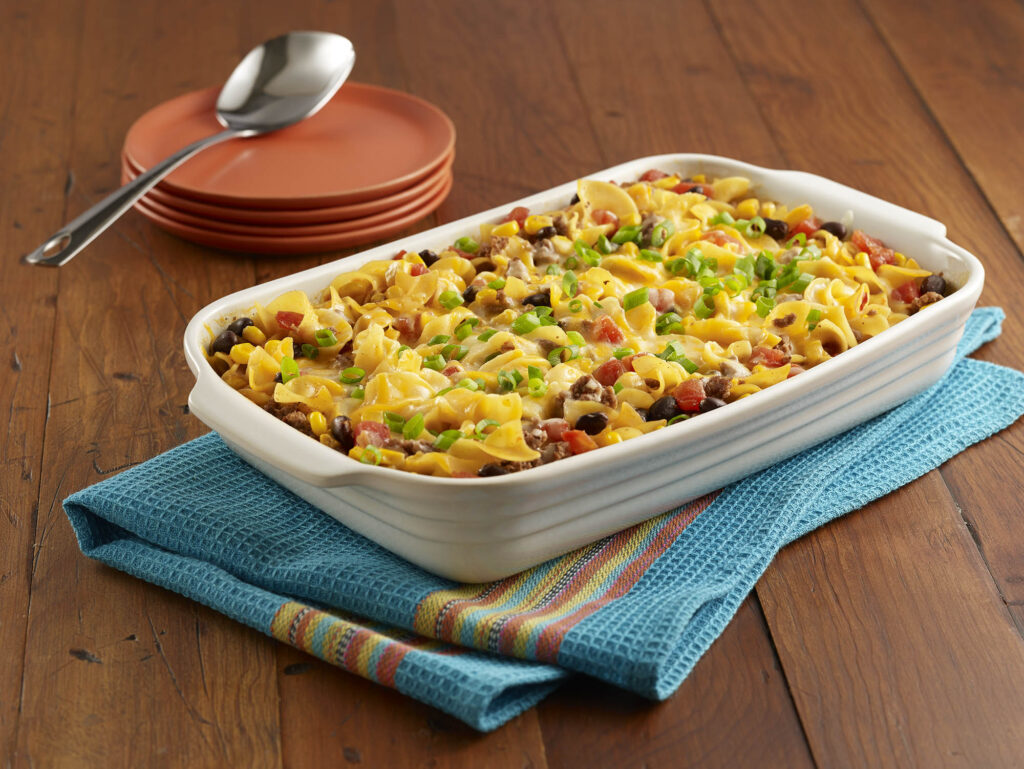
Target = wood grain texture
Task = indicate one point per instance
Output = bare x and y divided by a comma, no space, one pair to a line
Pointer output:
733,710
898,629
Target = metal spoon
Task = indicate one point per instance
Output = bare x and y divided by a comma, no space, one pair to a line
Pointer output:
277,84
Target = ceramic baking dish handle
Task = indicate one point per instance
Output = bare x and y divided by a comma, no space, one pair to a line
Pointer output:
290,451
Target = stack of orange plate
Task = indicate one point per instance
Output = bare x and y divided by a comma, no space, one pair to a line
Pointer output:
372,162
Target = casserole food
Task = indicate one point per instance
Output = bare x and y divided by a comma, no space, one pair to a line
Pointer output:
483,528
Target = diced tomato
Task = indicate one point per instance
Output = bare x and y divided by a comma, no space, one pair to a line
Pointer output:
662,298
417,270
768,356
605,330
579,441
689,394
604,216
609,372
405,326
807,226
703,189
463,254
555,428
398,256
719,238
794,369
451,370
653,175
371,433
289,320
907,293
519,214
876,250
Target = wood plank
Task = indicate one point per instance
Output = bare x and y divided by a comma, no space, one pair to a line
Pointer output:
838,132
974,91
35,137
676,80
733,710
907,666
973,87
360,722
118,672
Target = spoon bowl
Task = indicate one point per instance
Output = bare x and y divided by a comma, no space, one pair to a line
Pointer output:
277,84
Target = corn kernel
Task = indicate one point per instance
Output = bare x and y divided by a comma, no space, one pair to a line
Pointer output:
562,244
317,422
768,208
254,335
506,230
748,208
536,223
610,437
240,352
667,183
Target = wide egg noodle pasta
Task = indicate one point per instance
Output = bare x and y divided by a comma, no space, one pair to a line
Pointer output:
556,332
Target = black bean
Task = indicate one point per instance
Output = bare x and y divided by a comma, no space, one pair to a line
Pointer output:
489,471
710,404
545,232
278,378
935,283
239,325
592,424
341,429
575,200
428,256
642,413
540,299
663,408
469,294
775,228
224,342
836,228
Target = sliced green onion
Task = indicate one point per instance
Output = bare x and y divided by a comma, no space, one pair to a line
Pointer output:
351,375
756,226
570,284
482,425
525,323
587,254
439,393
797,240
310,351
469,384
801,283
395,422
702,308
290,369
598,305
571,263
764,288
576,305
661,232
467,244
402,349
605,246
370,455
450,299
543,310
576,338
627,234
669,323
532,372
536,388
492,356
454,351
673,351
435,362
622,352
723,217
553,269
634,298
325,337
413,427
358,392
650,256
687,364
677,418
764,306
813,316
562,354
617,388
764,267
745,267
497,284
735,282
446,439
509,380
809,253
465,328
439,339
483,336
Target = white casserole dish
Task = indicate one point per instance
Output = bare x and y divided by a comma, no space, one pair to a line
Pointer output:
479,529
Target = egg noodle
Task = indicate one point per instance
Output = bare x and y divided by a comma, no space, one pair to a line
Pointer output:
634,307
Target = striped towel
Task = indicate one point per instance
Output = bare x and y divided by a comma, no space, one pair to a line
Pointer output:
637,608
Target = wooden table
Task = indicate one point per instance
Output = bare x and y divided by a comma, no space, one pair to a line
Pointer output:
892,637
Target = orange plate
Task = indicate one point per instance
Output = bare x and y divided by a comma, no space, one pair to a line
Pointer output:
329,215
291,245
277,231
365,143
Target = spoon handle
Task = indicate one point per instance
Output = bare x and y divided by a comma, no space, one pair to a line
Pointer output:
78,233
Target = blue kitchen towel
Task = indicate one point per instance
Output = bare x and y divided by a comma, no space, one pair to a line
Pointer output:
637,609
